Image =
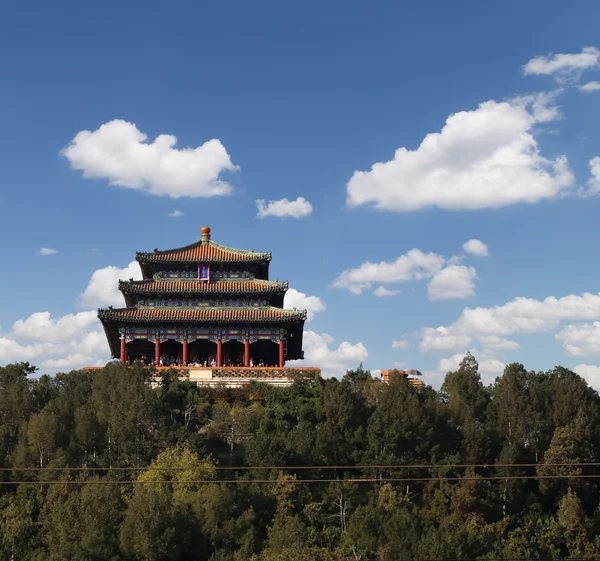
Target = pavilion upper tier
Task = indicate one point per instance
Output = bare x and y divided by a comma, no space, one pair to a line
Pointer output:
207,252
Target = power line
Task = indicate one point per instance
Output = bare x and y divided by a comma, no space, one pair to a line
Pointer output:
275,481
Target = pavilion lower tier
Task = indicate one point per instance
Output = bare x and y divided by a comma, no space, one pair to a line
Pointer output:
206,347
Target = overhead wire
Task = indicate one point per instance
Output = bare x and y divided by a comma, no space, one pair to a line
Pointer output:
293,481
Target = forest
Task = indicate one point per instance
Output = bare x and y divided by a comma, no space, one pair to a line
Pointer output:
103,466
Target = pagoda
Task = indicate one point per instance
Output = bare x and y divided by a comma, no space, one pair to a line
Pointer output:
204,305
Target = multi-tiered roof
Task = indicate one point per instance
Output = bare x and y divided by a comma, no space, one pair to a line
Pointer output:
208,285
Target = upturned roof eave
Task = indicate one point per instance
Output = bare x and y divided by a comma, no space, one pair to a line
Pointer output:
154,287
118,315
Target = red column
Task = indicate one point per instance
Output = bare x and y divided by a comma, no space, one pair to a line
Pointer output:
123,350
184,354
157,351
281,353
246,352
219,352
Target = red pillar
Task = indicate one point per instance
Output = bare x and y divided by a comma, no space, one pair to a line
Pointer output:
157,351
184,353
281,353
123,350
246,352
219,352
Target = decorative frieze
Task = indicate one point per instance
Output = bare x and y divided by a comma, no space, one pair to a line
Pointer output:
214,275
203,303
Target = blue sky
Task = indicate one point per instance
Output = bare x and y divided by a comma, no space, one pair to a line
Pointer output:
298,97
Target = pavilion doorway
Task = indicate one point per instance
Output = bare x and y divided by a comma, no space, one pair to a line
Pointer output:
265,353
233,353
142,350
201,351
171,351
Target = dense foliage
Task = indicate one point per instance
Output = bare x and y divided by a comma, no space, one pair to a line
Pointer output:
114,421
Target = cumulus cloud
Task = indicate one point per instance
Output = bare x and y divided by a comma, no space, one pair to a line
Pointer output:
47,251
176,214
118,151
282,208
382,291
564,67
441,339
476,248
103,287
491,326
413,265
300,301
483,158
590,87
495,343
332,361
40,326
580,340
527,315
401,344
590,373
593,185
62,343
73,340
452,283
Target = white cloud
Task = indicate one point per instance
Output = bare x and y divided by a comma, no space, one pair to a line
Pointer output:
564,67
527,315
176,214
382,291
299,300
73,361
580,340
333,362
590,373
484,158
284,208
62,343
593,185
452,283
490,326
401,344
103,288
40,326
495,343
413,265
441,339
590,87
118,151
476,248
47,251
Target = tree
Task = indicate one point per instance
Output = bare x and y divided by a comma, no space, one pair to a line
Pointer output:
467,402
15,405
157,523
